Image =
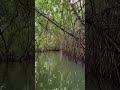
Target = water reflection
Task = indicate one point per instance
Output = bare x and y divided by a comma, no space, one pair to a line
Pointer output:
17,76
56,72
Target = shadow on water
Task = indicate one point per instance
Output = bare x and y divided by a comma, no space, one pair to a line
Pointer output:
17,76
55,72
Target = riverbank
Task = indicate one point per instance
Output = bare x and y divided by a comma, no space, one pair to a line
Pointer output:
38,50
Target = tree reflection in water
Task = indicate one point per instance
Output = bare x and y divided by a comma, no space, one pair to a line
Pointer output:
56,72
17,76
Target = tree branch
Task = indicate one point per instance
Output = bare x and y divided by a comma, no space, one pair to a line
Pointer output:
77,16
56,24
61,28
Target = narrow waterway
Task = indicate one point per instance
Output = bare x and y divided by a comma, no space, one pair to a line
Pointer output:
56,72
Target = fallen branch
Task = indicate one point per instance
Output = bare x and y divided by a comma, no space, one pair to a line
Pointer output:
56,24
61,28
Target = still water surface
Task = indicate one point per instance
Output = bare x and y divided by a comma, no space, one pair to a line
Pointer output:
56,72
17,76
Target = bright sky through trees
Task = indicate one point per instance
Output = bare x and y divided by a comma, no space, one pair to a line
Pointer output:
73,1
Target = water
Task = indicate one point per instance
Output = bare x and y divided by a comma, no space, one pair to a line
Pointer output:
56,72
53,72
17,76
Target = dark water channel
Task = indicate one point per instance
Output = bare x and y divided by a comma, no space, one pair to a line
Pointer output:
17,76
56,72
52,71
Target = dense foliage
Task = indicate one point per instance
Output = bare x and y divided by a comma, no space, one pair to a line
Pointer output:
54,20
